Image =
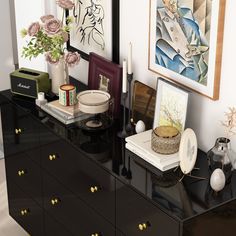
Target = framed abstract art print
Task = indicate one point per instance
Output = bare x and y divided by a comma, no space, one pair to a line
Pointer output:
95,28
185,42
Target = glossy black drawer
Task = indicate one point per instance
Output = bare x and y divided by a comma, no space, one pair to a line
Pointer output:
24,210
70,211
137,216
26,174
20,130
80,175
53,227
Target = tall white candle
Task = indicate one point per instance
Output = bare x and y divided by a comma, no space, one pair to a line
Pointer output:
130,59
124,80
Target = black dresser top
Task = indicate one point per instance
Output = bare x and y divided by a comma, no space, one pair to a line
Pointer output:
180,199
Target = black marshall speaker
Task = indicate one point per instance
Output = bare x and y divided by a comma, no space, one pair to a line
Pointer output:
28,82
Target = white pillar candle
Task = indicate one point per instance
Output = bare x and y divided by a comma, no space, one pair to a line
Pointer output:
124,80
130,59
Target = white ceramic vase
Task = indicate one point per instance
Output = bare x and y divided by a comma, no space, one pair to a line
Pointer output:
59,75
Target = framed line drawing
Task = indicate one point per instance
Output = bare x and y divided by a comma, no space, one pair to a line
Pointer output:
171,105
95,28
105,75
185,42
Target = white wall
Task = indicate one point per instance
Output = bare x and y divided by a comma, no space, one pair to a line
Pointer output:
28,11
6,55
204,114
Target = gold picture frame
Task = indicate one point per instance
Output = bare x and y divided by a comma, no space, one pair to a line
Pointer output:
188,52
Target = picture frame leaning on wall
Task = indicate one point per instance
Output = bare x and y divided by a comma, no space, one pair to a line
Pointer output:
171,105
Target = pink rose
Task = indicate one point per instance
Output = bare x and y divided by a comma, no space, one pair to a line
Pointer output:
50,60
53,26
72,58
33,29
66,4
46,18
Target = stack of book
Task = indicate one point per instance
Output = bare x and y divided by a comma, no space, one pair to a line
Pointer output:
65,114
140,144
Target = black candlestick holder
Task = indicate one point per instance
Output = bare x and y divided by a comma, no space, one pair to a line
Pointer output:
129,126
123,133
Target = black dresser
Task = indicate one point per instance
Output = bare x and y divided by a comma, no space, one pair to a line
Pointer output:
66,181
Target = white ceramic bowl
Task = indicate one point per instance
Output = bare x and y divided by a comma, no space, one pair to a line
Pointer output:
93,101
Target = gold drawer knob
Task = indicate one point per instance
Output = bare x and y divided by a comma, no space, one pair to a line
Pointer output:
52,157
21,172
96,234
54,201
143,226
24,212
93,189
18,131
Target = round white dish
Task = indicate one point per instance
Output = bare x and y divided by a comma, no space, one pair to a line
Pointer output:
93,101
188,151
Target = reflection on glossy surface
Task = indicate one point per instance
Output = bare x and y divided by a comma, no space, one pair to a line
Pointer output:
95,158
182,199
144,98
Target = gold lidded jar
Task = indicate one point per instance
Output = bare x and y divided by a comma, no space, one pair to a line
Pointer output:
165,140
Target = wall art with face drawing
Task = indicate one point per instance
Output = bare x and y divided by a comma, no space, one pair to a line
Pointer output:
95,22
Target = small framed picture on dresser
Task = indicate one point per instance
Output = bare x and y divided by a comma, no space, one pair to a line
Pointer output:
171,105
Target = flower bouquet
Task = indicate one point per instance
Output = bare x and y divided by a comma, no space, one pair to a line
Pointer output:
48,36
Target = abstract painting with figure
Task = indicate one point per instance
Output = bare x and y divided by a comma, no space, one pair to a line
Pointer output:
184,43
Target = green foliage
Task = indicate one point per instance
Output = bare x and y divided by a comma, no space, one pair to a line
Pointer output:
42,43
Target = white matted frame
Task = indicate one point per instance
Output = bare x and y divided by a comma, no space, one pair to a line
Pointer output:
95,28
171,105
188,48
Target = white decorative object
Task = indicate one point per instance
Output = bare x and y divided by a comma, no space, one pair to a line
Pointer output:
41,96
59,75
40,101
188,151
217,180
93,101
140,127
140,144
124,78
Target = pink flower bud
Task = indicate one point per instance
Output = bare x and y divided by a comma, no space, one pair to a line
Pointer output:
46,18
72,58
33,29
65,4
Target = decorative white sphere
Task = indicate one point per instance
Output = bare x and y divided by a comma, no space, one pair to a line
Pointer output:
140,127
217,180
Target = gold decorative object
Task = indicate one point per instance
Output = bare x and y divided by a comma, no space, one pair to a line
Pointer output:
21,172
52,157
142,226
93,189
165,140
54,201
18,131
24,212
95,234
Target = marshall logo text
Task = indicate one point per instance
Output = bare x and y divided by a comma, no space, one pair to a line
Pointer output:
23,86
